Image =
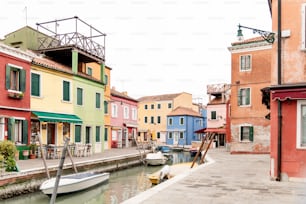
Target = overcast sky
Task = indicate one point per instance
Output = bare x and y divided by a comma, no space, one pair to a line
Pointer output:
154,46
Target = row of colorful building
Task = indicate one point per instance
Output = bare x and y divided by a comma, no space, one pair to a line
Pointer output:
62,87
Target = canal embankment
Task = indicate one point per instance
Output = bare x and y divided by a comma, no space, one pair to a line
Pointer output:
32,172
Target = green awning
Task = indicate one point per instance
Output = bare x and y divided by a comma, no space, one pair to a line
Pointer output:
56,117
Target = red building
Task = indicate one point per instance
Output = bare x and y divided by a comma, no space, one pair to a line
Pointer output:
15,113
288,91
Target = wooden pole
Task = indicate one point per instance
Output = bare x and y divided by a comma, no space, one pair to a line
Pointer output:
211,139
59,172
196,156
74,167
43,156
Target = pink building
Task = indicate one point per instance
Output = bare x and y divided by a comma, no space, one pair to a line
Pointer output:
123,119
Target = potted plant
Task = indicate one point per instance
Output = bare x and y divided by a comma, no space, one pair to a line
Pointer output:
33,148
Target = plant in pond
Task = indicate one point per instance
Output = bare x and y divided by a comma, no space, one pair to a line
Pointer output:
7,151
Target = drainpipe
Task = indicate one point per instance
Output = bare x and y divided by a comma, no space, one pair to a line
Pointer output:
279,82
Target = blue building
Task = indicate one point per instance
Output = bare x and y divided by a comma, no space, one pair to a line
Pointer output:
181,126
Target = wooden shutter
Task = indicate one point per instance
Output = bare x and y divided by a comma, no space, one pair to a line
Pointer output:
25,132
66,91
35,86
98,100
22,80
11,128
251,134
247,97
105,107
239,97
77,133
8,77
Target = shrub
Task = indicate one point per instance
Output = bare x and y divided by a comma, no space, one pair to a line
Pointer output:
7,151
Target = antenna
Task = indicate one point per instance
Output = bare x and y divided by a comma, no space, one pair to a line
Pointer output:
26,14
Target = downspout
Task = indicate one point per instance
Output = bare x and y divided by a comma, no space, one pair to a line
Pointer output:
279,82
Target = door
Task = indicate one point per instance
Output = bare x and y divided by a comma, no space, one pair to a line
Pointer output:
51,133
175,138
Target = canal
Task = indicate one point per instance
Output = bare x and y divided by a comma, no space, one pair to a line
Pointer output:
121,186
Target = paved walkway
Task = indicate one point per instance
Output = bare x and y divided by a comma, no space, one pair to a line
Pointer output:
237,179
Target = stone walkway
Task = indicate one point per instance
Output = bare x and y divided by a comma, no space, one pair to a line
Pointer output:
226,179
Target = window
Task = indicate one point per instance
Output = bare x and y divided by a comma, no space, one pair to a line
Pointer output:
145,119
106,79
98,100
158,119
66,129
245,63
106,107
134,114
159,106
87,135
170,136
303,34
152,106
301,124
146,107
98,137
169,105
35,84
17,130
79,96
213,115
15,78
105,134
89,71
181,121
114,110
66,91
158,135
170,121
181,135
126,112
77,133
246,133
244,97
152,120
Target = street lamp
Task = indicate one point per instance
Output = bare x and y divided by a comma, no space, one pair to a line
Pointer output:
268,36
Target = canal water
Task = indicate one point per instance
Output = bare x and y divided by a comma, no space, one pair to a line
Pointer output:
121,186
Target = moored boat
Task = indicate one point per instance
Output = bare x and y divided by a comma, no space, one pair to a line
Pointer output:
156,158
74,182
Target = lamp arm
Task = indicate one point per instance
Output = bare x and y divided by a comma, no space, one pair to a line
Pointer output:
268,36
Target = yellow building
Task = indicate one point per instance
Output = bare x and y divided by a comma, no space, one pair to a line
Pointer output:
153,111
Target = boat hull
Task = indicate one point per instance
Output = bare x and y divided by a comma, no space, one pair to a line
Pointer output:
73,183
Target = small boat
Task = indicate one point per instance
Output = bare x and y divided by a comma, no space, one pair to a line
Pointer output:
163,149
193,151
168,172
74,182
155,159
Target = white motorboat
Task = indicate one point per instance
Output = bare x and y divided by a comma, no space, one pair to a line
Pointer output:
155,159
74,182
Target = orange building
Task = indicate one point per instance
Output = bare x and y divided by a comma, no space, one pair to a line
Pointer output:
251,71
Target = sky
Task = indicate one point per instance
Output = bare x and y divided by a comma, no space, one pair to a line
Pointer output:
154,47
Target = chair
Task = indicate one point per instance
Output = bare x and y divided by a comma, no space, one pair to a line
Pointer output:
88,150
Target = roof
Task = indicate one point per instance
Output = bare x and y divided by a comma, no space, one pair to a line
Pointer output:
163,97
184,111
212,130
250,40
121,95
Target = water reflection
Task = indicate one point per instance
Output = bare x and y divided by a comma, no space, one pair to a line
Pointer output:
121,186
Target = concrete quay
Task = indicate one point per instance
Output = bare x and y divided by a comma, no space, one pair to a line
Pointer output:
225,179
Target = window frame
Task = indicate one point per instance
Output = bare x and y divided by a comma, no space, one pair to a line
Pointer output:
39,84
126,112
299,144
241,97
114,110
98,100
80,101
170,121
20,80
98,134
243,60
213,115
251,133
181,120
134,113
89,71
69,91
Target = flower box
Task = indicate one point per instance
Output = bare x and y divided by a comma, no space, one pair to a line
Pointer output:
15,95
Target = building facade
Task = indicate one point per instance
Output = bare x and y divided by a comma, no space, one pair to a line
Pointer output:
251,71
123,119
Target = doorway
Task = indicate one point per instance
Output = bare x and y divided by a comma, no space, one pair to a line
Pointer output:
51,133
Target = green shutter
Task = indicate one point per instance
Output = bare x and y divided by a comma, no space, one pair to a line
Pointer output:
239,97
247,96
105,107
79,96
22,80
77,133
251,134
35,86
66,91
8,77
105,134
11,128
24,132
98,100
97,133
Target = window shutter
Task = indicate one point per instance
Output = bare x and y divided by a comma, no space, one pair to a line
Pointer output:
22,79
11,129
98,100
35,84
239,97
66,90
8,77
247,100
105,134
77,133
24,132
241,133
251,134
